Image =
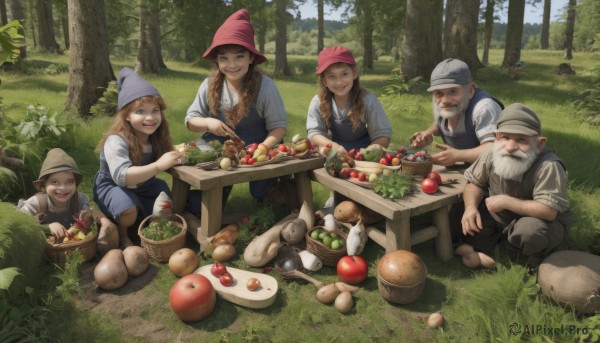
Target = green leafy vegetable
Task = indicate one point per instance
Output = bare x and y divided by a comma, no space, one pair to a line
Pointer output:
161,229
197,156
393,186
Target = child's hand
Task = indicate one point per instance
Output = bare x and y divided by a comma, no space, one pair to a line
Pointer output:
219,128
58,230
169,159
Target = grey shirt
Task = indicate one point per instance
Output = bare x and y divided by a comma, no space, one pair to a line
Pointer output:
32,206
116,152
269,104
485,115
374,118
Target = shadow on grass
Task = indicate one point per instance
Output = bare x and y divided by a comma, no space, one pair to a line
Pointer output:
36,84
579,155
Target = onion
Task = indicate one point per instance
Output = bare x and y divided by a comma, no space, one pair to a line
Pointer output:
253,284
435,320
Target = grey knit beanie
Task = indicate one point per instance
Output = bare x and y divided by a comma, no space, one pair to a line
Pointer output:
131,86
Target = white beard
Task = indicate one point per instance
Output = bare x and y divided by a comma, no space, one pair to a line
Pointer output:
513,166
459,109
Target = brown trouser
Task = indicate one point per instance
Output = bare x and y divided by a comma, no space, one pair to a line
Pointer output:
533,236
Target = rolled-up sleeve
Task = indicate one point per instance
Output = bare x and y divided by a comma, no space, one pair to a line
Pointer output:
551,186
199,107
269,105
485,116
116,152
376,119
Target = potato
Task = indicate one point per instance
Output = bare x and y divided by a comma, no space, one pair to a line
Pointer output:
111,272
136,259
328,294
344,302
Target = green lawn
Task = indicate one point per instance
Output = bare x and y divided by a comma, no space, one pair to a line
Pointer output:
479,305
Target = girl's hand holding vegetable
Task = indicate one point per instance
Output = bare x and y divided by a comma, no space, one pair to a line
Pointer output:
58,230
169,159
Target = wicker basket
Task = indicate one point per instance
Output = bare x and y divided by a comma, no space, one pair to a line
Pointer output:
328,256
400,294
57,253
417,168
162,250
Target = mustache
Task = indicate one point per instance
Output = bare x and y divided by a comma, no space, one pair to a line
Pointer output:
518,155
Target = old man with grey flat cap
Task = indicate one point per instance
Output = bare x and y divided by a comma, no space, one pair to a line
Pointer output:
463,115
516,191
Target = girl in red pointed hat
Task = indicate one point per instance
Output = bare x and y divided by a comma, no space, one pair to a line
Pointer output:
237,99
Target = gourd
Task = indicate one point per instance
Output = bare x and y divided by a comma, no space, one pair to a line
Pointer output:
111,272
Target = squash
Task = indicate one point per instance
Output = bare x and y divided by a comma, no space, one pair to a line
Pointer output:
111,272
136,259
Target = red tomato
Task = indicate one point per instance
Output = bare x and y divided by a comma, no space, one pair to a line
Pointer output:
353,173
218,269
273,152
429,185
250,161
400,150
282,147
384,161
436,176
192,298
352,269
389,157
226,279
362,176
245,220
243,160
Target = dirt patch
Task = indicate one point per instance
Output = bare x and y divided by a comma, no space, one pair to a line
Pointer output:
127,304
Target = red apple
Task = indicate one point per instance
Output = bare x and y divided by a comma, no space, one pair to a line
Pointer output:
250,149
226,279
192,298
362,176
218,269
389,157
352,270
273,152
384,161
429,185
436,176
353,173
250,161
282,147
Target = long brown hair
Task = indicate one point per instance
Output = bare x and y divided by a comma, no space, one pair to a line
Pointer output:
357,94
249,89
160,139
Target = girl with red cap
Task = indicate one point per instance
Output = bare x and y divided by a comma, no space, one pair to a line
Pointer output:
343,113
237,99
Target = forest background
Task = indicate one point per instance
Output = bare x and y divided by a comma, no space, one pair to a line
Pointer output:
58,90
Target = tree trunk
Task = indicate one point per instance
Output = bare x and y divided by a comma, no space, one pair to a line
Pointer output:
90,68
320,26
15,12
460,38
488,30
366,18
149,57
281,21
31,13
514,33
545,34
568,55
422,38
47,42
3,16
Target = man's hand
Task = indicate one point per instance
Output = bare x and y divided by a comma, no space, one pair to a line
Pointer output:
471,221
497,203
447,157
421,139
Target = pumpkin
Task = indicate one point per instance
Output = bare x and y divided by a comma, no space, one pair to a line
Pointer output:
401,268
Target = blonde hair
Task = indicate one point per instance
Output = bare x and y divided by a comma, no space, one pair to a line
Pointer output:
160,139
357,94
250,85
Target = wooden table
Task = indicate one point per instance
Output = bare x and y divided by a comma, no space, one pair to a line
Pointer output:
398,212
211,183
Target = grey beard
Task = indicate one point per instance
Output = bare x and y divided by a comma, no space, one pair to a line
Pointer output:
461,108
513,167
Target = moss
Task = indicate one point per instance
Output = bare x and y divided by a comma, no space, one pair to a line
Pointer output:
22,245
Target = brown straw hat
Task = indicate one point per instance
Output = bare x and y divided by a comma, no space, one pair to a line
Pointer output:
57,161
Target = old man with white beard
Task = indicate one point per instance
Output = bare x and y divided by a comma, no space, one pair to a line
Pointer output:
463,115
515,189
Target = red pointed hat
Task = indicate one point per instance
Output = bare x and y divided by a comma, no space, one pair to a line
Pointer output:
237,30
334,54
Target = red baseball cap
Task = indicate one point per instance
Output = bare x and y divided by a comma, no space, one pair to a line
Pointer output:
334,54
236,30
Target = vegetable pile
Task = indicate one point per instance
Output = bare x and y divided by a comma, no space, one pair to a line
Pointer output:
161,229
393,186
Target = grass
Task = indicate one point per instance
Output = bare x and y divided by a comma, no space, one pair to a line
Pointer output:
479,305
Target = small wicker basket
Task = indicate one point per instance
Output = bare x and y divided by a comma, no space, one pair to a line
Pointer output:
161,251
417,168
329,257
400,294
57,253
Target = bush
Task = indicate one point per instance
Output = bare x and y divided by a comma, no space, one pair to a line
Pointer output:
22,245
587,103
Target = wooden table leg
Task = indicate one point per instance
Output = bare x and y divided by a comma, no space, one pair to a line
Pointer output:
211,212
397,234
179,195
443,242
304,189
